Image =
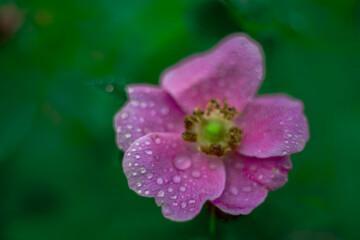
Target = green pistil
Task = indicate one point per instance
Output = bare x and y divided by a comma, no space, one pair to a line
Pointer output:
214,131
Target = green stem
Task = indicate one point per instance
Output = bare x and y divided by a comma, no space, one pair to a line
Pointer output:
212,221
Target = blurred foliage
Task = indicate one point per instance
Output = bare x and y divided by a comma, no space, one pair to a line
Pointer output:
62,76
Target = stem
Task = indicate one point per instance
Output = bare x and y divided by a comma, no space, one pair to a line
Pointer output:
212,220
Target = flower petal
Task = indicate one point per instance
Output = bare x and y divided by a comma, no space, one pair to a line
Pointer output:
174,172
233,69
150,109
273,125
248,180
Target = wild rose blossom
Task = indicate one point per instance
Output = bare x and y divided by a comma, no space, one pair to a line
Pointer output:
204,134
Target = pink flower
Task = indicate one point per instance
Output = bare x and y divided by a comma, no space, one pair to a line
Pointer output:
204,134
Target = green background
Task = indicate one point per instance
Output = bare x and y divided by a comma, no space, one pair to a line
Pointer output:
60,170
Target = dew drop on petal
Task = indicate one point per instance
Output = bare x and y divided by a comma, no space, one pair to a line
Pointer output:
166,210
127,135
234,190
143,170
164,111
161,193
239,165
157,139
149,152
183,204
159,181
124,115
196,173
182,162
176,179
182,189
147,192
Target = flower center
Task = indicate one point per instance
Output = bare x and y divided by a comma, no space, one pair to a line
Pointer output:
213,128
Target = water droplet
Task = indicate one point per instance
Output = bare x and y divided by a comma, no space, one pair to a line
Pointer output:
143,170
149,152
234,190
159,181
138,184
183,205
166,210
134,173
176,179
157,139
289,135
239,165
118,129
150,175
161,193
246,189
182,189
173,197
133,149
127,135
139,191
129,126
124,115
182,162
129,154
196,173
130,164
170,189
192,201
213,165
137,156
135,103
147,192
164,111
147,142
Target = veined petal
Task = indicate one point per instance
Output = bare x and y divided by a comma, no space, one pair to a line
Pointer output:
273,125
248,180
233,69
150,109
180,178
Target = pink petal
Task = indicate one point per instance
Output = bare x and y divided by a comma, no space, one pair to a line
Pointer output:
273,125
248,180
174,172
233,69
150,109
